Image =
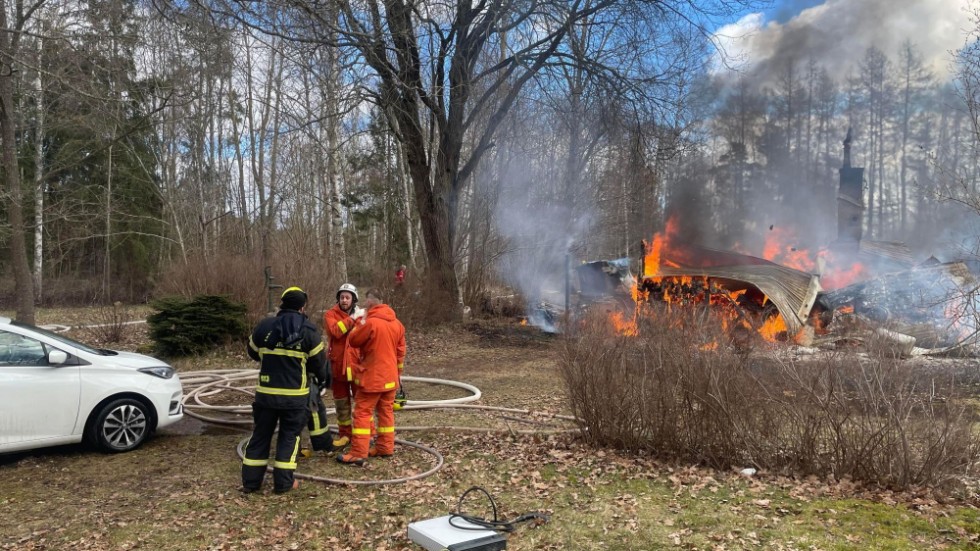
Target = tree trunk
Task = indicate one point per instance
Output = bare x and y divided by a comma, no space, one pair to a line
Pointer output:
23,282
437,234
39,180
338,248
107,261
406,204
237,132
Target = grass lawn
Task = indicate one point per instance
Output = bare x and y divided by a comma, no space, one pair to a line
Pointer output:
180,490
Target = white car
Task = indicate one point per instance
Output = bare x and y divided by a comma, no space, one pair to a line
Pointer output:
54,390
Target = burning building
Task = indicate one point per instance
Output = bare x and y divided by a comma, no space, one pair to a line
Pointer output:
869,287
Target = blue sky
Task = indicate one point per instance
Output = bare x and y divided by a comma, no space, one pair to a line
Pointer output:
782,11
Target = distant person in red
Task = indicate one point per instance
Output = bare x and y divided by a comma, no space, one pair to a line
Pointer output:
400,276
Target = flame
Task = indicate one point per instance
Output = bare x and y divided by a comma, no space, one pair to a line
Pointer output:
653,258
524,321
837,278
622,325
651,262
639,295
684,291
839,271
772,327
729,308
778,248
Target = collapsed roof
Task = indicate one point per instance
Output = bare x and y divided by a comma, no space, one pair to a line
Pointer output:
933,303
792,292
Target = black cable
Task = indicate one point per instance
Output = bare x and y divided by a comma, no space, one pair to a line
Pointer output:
495,524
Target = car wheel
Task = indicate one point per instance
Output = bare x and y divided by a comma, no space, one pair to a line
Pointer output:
120,426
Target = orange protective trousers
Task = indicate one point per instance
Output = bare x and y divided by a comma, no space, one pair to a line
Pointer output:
366,405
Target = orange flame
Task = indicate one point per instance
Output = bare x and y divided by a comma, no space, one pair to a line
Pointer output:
654,254
622,325
638,295
772,327
684,291
779,249
651,262
840,271
837,278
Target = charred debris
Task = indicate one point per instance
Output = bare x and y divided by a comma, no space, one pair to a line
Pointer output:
859,290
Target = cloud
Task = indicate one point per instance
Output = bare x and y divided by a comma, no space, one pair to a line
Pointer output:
838,32
734,42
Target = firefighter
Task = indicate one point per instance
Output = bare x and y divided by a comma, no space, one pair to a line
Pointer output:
290,352
337,322
320,440
381,339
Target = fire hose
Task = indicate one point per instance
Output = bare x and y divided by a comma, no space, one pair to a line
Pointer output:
199,385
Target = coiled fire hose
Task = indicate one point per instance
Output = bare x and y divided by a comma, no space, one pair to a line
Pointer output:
201,385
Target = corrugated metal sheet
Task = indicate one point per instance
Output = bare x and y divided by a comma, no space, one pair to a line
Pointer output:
891,250
791,291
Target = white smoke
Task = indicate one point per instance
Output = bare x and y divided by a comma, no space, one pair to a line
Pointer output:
838,32
542,233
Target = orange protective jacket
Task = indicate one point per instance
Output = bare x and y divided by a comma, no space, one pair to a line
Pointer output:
338,325
381,341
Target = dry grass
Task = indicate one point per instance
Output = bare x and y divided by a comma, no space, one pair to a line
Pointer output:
179,490
875,419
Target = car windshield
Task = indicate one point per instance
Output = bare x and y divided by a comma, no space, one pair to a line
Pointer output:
62,338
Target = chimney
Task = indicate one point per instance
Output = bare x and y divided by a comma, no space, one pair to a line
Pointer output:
850,197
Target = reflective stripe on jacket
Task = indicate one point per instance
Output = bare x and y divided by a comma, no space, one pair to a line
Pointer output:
289,348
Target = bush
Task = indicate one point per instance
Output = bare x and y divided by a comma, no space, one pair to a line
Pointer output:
242,277
672,391
111,324
191,326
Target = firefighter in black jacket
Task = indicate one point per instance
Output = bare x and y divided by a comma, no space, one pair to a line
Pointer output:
291,352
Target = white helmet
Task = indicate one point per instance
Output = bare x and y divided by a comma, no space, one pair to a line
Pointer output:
348,288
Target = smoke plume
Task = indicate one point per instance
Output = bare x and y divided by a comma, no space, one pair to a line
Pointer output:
838,32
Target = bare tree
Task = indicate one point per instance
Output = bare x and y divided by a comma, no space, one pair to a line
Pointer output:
957,185
37,94
874,80
914,78
447,73
14,20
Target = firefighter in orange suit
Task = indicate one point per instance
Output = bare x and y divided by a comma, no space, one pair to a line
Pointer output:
338,322
381,339
290,352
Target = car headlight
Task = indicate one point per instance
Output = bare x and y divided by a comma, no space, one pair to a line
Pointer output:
163,371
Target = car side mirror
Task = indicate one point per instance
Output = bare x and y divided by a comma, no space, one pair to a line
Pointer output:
57,357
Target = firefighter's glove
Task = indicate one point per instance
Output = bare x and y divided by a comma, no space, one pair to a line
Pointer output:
359,313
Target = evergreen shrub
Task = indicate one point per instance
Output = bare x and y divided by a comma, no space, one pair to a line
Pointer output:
184,327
